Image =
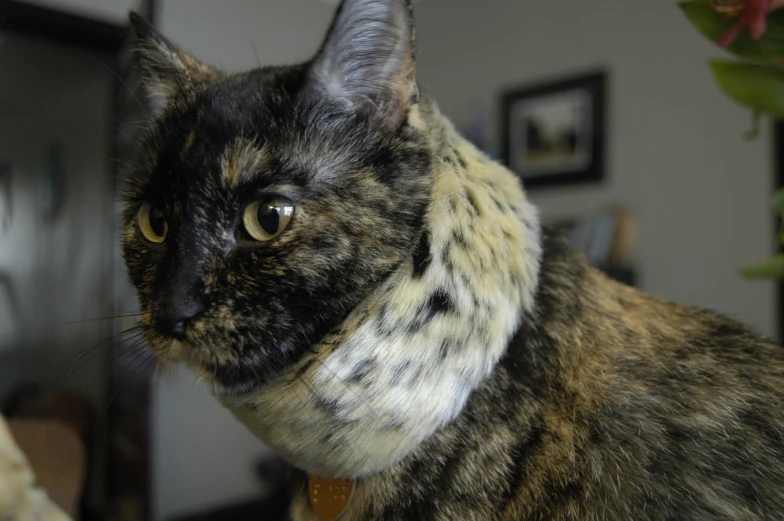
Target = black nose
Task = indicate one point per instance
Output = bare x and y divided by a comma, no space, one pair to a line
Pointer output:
178,329
174,320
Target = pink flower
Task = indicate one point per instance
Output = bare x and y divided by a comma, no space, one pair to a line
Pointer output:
753,14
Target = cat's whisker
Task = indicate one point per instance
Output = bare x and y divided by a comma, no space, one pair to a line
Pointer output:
90,353
129,355
133,331
68,323
133,362
145,365
74,364
135,348
103,374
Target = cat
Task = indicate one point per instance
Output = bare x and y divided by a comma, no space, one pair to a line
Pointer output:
377,301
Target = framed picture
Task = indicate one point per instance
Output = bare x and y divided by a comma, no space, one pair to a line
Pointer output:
553,134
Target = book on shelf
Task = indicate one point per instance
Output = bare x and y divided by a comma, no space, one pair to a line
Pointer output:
607,238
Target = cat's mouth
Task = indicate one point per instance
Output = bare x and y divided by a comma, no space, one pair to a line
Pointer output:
223,379
214,360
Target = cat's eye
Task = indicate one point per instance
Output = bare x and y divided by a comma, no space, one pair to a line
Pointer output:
266,219
152,223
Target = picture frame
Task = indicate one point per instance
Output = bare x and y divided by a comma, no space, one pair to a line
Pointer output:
553,133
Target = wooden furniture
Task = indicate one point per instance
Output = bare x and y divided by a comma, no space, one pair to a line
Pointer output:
57,456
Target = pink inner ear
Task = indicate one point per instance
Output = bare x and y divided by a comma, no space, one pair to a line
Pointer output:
367,62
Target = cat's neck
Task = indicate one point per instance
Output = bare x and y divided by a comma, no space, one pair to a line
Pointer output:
499,435
404,362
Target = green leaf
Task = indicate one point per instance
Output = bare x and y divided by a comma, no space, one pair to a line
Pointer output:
713,25
759,87
770,269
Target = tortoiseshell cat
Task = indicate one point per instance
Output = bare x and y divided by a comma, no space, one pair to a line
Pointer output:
376,300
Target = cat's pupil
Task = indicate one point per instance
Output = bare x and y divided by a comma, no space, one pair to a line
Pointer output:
157,221
269,218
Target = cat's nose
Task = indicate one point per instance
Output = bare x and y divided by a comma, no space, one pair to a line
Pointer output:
176,318
178,329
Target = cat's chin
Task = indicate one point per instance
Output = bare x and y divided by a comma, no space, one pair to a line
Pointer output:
209,379
239,390
220,377
215,379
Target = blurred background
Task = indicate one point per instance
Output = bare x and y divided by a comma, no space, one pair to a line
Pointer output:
606,109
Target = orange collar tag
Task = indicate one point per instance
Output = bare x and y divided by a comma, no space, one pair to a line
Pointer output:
329,497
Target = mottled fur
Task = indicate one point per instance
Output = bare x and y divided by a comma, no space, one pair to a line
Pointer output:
414,327
403,363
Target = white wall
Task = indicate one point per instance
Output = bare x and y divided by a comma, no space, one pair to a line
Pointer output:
238,34
676,151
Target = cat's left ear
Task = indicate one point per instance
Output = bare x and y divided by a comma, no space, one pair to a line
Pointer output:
168,71
367,62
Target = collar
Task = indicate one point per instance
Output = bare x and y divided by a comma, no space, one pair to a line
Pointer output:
329,497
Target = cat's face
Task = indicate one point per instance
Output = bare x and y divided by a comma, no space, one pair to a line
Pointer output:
270,203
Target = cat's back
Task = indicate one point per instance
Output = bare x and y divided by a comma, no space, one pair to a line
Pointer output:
652,410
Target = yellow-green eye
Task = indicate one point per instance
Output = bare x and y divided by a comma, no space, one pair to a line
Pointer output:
152,223
266,219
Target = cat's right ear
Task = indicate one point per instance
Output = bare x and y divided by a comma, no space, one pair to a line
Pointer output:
168,71
367,62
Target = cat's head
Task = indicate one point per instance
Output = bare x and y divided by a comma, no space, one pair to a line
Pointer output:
269,203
